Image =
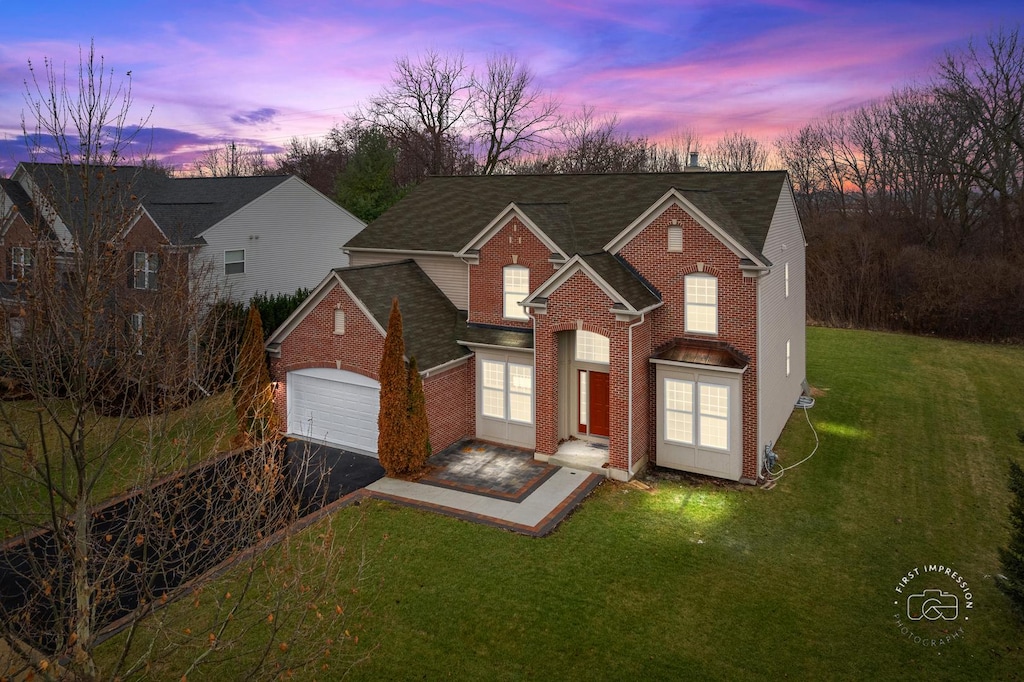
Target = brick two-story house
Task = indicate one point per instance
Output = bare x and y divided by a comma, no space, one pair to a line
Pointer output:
656,317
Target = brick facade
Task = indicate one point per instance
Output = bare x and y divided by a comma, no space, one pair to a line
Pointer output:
578,303
737,305
513,244
19,233
313,343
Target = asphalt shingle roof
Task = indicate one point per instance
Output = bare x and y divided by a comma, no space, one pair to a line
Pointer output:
581,213
429,320
623,279
183,207
488,335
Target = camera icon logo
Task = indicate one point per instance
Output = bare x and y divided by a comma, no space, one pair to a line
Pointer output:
933,605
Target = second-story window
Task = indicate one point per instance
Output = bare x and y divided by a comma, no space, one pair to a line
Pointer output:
145,270
516,287
234,262
701,314
21,261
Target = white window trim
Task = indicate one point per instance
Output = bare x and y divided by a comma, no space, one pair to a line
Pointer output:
787,357
21,261
234,262
339,321
592,347
138,324
698,413
688,304
787,279
514,311
149,268
505,392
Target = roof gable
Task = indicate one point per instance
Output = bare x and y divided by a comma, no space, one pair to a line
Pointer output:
612,276
734,239
500,221
580,213
430,322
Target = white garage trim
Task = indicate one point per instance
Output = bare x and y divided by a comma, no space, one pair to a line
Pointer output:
335,407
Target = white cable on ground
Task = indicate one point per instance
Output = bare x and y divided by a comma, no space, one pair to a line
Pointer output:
776,475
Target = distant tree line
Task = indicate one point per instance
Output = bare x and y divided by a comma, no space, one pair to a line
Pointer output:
913,204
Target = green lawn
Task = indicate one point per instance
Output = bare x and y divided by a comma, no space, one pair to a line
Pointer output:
168,442
708,581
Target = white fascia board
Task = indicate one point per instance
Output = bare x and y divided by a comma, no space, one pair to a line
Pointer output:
577,264
407,253
695,365
443,366
502,218
359,304
292,321
136,218
658,207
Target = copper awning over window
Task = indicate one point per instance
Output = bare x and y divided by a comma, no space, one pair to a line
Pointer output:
702,352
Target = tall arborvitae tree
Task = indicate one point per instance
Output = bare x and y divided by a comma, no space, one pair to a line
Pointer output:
393,419
419,431
1012,556
254,397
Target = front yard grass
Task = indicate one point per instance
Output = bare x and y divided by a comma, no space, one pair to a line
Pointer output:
701,580
172,441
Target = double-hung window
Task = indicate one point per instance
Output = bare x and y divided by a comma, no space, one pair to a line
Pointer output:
137,322
21,261
515,287
701,314
145,269
697,413
507,391
234,262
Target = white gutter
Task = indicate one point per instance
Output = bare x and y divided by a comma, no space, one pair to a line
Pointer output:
629,411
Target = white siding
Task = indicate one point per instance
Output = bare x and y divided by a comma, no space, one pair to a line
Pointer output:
781,319
292,237
450,274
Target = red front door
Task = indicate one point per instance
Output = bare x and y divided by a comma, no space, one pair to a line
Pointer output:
595,406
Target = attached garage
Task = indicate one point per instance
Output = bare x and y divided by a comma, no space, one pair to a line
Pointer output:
334,406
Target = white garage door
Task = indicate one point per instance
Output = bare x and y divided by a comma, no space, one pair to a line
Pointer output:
334,406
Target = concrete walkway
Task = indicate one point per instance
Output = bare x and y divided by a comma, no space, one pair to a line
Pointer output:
537,514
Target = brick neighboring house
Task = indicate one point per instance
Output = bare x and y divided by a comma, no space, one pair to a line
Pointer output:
658,318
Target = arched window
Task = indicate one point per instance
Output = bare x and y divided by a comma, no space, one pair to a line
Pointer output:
701,314
516,287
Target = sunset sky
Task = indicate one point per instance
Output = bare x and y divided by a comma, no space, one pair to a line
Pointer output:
263,72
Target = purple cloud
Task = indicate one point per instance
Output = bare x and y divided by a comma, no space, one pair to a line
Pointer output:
264,115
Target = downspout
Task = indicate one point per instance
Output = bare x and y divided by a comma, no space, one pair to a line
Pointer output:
629,411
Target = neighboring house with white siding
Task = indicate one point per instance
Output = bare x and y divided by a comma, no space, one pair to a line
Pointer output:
636,318
241,235
267,234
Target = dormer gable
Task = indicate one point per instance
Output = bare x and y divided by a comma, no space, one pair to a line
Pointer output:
749,257
471,250
630,295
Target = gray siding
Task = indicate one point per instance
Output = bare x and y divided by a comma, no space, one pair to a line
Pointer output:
781,318
292,237
450,274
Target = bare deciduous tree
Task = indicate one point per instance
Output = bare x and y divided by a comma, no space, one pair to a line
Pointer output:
511,114
232,160
112,376
737,151
425,108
